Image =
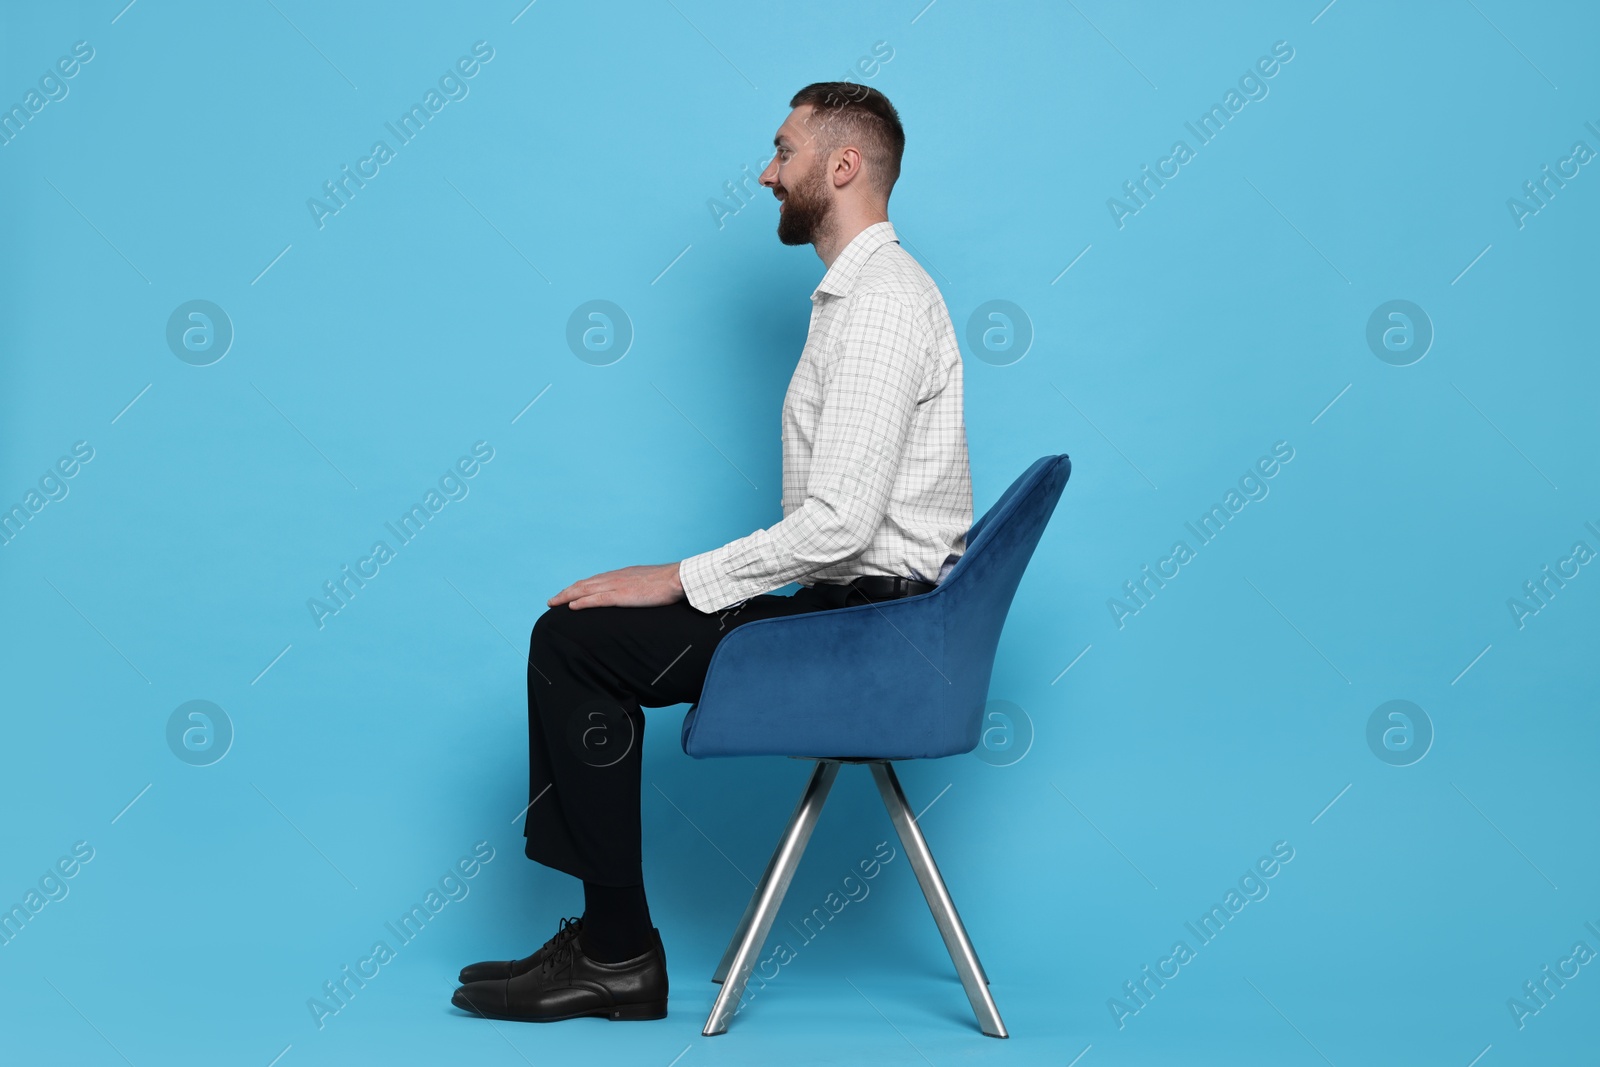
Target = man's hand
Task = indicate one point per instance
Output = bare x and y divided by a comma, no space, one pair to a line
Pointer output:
647,586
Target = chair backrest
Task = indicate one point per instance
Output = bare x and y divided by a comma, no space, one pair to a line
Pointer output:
979,589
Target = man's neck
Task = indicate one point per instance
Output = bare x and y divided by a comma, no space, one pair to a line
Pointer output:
839,237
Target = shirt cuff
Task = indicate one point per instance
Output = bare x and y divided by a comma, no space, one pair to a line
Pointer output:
711,580
701,578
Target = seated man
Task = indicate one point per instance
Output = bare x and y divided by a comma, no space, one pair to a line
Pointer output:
877,501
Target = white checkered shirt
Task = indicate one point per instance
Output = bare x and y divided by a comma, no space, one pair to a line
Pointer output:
875,473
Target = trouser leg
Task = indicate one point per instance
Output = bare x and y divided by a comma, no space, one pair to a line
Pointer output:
590,673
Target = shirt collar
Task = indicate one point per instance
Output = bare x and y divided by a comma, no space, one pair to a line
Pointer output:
842,275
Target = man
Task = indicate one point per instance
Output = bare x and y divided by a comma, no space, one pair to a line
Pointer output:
877,501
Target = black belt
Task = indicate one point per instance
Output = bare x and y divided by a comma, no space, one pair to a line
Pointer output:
889,587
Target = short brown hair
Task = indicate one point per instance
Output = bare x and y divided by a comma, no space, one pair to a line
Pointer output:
858,113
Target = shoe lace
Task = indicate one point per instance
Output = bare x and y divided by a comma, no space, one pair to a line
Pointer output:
560,947
567,931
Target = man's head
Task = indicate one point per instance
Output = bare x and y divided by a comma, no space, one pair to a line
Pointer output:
838,157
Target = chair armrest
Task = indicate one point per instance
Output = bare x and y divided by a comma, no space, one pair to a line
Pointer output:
865,680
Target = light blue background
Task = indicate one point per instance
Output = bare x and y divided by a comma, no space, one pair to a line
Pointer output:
1223,317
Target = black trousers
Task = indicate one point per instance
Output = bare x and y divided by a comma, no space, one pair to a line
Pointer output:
590,672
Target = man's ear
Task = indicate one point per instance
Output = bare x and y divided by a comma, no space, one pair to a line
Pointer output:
847,168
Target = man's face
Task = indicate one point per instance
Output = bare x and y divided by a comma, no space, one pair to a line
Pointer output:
797,176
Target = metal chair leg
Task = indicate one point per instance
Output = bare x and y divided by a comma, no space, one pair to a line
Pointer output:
763,908
755,900
944,911
744,922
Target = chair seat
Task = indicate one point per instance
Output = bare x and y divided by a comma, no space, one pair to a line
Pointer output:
863,681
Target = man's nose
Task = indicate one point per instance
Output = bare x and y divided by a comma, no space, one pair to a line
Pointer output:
769,177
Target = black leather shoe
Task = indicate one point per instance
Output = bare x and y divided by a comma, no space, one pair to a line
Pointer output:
500,970
567,984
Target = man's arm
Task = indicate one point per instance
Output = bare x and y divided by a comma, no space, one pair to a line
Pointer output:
869,399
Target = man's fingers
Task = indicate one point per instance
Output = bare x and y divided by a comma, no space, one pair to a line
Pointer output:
576,589
589,593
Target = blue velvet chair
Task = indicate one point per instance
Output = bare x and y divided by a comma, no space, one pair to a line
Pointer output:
872,683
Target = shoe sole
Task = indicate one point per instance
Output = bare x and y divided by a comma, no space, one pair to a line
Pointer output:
616,1013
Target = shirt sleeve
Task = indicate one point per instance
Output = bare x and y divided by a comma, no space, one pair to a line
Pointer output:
870,387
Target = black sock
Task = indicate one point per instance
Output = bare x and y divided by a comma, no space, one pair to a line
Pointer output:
616,922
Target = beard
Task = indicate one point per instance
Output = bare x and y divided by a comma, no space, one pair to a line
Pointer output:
806,213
